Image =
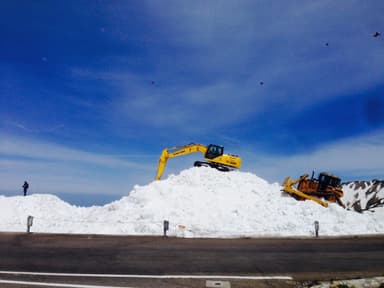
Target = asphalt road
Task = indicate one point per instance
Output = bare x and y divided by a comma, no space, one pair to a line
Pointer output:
301,258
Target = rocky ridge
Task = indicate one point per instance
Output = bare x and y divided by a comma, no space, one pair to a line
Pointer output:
364,195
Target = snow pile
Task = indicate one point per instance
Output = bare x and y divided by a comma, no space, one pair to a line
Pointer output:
362,283
364,195
199,202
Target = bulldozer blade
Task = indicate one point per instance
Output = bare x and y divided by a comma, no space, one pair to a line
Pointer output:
287,187
286,181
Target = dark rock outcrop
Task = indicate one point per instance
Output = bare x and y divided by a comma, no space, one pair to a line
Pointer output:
371,193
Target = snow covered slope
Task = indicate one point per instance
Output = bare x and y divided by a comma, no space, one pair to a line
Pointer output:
199,202
364,195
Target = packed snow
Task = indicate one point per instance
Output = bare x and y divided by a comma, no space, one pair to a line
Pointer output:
198,202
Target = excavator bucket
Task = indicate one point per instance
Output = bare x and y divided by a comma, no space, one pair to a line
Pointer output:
289,186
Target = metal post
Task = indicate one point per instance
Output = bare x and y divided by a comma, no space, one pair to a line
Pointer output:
317,225
165,227
29,223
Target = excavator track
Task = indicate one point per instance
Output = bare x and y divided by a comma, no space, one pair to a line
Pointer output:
212,165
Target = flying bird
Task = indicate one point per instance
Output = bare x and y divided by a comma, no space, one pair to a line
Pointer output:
377,34
261,83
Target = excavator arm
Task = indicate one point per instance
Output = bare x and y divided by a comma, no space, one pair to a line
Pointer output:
175,152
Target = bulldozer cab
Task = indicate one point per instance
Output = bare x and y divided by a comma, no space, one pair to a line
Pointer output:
328,180
214,151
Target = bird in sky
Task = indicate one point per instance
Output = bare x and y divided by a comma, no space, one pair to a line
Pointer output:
377,34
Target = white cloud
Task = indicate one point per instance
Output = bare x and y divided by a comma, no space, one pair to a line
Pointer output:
353,158
62,177
31,148
236,45
53,168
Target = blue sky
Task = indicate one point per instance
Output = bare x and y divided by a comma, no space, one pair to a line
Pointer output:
92,91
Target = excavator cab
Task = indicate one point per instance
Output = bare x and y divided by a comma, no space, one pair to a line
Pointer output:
214,151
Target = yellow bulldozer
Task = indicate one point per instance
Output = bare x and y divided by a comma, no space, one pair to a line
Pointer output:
213,154
326,187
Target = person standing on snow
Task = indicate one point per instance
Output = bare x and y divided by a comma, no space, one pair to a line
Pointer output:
25,187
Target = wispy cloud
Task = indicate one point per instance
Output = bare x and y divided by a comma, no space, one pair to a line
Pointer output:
35,149
354,158
64,177
21,126
55,168
28,129
228,48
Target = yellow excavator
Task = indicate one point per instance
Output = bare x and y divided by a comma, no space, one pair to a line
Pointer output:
213,154
326,187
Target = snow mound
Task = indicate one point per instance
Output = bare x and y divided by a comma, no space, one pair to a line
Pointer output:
198,202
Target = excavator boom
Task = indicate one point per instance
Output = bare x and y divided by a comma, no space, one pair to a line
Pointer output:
177,151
